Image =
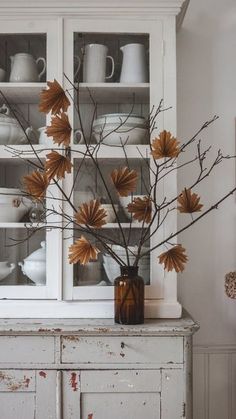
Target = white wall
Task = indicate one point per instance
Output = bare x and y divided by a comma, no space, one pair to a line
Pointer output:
206,46
207,86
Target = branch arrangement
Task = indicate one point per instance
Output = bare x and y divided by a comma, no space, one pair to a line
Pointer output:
89,218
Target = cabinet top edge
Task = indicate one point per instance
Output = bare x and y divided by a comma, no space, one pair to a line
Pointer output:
185,326
106,7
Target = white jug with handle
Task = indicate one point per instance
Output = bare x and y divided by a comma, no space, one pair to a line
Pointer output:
134,66
94,64
24,68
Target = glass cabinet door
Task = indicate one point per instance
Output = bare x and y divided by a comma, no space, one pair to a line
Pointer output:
117,91
29,57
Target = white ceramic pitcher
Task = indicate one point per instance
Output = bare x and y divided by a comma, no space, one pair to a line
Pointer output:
134,66
24,68
94,64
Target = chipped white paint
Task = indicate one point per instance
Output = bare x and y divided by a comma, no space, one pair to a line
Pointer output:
27,394
114,350
85,370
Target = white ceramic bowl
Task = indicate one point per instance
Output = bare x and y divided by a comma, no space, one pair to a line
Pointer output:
13,205
120,129
111,216
118,118
118,136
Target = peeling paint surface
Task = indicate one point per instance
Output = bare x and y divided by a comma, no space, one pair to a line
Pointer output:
73,381
42,374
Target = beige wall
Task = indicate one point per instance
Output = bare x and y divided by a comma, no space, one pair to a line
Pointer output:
206,86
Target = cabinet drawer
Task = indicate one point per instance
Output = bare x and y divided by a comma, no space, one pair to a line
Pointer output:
122,350
26,349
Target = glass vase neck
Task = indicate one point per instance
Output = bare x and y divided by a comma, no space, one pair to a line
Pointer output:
129,270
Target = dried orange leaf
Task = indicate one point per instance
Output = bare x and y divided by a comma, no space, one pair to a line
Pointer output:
91,214
36,184
82,251
165,146
57,165
141,208
125,180
53,99
60,129
189,202
174,259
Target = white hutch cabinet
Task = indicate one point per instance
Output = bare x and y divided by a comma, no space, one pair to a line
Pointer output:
58,32
77,367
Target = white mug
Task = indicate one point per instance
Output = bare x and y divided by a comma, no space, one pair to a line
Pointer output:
94,64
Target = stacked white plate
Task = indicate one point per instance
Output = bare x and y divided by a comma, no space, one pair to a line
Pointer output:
13,205
120,128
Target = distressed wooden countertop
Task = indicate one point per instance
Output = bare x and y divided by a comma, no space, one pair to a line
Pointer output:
152,327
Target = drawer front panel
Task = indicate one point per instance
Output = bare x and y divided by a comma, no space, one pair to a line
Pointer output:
26,349
122,350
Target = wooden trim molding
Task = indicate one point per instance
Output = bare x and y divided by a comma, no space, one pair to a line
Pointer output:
214,349
98,7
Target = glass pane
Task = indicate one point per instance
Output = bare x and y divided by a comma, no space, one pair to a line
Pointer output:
19,43
16,245
91,64
112,99
89,185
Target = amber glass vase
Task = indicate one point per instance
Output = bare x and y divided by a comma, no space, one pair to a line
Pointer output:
129,296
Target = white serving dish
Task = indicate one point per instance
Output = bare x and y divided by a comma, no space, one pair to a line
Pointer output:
34,266
118,118
120,129
11,131
6,269
13,205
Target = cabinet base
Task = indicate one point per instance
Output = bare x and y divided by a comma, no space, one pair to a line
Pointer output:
83,309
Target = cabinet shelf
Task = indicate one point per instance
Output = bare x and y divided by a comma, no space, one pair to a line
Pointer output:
22,225
108,92
22,92
114,152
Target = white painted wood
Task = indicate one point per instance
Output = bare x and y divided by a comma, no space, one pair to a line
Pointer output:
116,381
17,405
26,349
17,381
71,394
46,395
79,309
124,93
218,386
214,382
96,388
117,350
22,92
172,405
200,393
135,393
